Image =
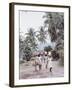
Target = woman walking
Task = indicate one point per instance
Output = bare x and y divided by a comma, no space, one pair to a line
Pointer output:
38,62
50,61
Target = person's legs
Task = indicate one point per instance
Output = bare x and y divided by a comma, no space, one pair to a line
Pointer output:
40,66
46,64
35,67
50,69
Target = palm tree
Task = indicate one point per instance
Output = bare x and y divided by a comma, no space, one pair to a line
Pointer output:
30,39
42,35
55,22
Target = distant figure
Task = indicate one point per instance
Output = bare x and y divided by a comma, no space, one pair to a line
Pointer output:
43,57
50,61
38,62
46,60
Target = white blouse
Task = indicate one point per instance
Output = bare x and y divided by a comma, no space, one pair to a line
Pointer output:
50,64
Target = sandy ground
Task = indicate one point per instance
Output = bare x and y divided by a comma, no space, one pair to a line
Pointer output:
27,71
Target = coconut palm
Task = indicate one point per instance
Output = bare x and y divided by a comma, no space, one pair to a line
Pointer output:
55,22
30,39
41,35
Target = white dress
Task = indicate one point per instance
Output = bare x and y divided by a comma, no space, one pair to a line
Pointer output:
38,60
46,59
50,62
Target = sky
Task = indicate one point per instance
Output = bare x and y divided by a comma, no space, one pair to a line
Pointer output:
31,19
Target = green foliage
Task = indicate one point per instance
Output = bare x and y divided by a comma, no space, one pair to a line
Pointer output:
20,47
30,39
27,53
61,53
28,45
55,55
55,22
42,35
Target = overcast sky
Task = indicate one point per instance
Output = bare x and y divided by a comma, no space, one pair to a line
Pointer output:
30,19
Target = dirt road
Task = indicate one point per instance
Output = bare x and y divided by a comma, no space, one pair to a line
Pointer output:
27,71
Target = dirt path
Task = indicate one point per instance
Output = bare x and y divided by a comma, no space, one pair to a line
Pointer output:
27,71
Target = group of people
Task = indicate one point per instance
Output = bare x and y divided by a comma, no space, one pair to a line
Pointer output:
43,59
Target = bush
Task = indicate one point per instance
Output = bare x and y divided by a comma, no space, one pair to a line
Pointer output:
27,53
55,55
